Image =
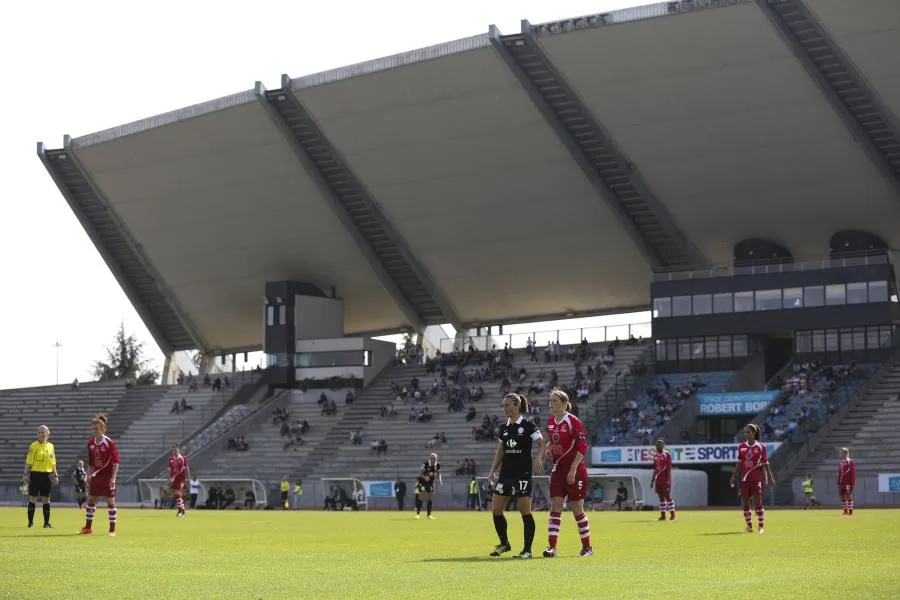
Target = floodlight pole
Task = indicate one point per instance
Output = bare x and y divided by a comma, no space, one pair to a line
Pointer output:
57,345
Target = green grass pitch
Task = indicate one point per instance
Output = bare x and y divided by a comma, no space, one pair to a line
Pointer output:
293,555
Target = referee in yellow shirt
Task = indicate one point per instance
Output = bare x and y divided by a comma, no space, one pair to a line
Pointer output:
40,474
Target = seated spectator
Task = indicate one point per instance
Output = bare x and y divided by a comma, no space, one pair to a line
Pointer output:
232,444
76,385
348,399
185,406
176,408
471,414
242,445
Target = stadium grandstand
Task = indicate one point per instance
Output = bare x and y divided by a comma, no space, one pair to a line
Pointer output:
732,166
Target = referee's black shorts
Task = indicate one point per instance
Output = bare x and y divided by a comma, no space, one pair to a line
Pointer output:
39,485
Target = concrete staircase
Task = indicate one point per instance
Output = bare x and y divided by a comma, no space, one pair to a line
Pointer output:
266,458
869,430
156,430
65,411
134,405
362,414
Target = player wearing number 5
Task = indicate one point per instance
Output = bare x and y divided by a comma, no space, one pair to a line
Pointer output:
569,477
513,458
40,474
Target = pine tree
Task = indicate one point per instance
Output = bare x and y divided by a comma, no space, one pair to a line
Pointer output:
125,361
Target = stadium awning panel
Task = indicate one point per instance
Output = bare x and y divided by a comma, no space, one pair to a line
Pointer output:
220,206
487,197
712,106
716,111
868,31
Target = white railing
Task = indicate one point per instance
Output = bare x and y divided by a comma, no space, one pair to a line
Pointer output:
565,337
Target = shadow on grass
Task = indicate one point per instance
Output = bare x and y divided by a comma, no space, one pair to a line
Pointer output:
35,535
478,559
725,533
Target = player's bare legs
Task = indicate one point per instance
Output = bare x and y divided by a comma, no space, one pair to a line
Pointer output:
179,502
89,516
111,508
523,503
584,527
498,504
760,513
553,523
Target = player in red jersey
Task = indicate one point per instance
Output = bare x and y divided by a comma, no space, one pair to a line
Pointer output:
662,480
846,481
569,477
179,472
103,458
753,462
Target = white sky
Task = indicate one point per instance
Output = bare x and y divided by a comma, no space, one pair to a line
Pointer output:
80,67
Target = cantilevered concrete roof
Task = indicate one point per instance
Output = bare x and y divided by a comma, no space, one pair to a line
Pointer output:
499,178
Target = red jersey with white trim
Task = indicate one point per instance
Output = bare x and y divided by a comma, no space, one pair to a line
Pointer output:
847,472
178,467
567,438
753,457
102,456
662,465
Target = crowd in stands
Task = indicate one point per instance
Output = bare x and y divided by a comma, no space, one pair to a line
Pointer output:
294,431
466,467
179,407
637,420
238,444
812,393
216,384
459,379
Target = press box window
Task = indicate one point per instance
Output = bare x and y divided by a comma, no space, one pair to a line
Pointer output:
681,306
662,307
857,293
792,298
836,294
723,303
768,299
743,301
702,304
814,296
878,291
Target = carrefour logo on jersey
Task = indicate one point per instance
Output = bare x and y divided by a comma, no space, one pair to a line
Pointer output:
694,453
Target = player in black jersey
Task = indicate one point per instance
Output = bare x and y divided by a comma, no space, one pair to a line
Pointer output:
513,458
430,471
79,478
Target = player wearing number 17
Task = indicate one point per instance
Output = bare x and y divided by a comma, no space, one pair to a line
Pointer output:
569,477
513,458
